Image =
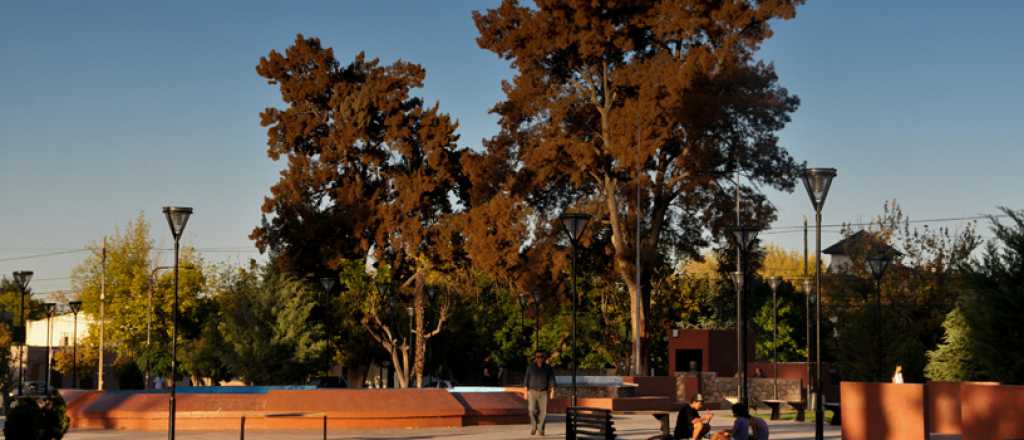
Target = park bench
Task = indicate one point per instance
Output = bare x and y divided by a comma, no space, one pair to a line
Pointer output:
588,423
800,406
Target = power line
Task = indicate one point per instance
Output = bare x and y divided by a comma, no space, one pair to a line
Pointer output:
49,254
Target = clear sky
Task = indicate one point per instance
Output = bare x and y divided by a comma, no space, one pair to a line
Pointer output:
109,109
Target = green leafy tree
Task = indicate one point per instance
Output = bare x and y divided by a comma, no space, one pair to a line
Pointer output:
264,319
993,308
785,340
954,359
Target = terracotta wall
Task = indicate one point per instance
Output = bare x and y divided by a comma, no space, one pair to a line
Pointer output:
991,411
944,407
664,386
883,411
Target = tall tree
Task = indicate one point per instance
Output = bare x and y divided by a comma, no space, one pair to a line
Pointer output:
662,95
370,167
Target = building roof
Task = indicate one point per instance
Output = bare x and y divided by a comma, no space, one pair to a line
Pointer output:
860,240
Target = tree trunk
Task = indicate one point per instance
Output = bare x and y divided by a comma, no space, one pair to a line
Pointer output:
626,269
419,303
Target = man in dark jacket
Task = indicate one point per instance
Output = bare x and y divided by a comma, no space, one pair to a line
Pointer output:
540,385
690,425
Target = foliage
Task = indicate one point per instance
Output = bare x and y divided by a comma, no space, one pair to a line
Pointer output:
790,328
367,161
664,96
996,302
128,308
918,291
954,359
264,319
28,419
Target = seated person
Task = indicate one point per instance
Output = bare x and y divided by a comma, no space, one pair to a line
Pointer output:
747,427
690,424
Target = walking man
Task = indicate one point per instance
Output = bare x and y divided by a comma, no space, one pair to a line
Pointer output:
540,384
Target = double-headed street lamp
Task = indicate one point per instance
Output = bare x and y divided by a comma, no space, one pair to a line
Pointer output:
745,237
573,223
177,218
22,278
879,263
75,307
817,181
49,308
774,282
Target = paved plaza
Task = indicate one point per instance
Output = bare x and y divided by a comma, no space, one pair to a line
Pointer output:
628,426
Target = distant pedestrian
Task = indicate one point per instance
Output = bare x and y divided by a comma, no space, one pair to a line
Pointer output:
897,377
747,427
690,424
540,386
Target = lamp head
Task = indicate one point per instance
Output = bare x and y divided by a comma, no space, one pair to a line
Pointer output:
574,223
808,286
327,283
879,264
22,278
75,306
745,236
49,308
774,282
737,279
177,218
817,181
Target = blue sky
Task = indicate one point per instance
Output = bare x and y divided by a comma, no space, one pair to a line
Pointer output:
114,108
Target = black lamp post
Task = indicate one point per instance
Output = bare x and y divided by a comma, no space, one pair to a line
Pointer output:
49,308
177,218
817,181
774,282
879,264
75,307
327,283
412,343
536,320
745,237
573,223
22,278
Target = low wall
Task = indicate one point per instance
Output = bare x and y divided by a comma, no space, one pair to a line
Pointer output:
349,408
882,411
944,407
991,411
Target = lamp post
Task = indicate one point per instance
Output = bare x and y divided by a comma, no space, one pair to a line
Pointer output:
177,218
774,282
817,181
878,264
745,237
536,320
22,278
573,223
49,308
808,289
328,283
75,307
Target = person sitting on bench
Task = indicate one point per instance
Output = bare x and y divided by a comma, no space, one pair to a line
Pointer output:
690,424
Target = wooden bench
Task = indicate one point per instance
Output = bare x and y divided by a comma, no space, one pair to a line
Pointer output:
588,423
836,417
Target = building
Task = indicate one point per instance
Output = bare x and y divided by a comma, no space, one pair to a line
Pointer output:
858,246
61,334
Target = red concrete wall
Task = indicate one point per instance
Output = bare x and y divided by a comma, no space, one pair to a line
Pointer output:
991,411
944,407
350,408
718,349
882,411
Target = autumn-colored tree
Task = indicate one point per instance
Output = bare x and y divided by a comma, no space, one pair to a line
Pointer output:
369,167
608,96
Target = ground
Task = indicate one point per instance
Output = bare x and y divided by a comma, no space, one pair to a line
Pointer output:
628,426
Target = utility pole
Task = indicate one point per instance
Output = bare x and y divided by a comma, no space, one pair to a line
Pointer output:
741,355
103,298
807,319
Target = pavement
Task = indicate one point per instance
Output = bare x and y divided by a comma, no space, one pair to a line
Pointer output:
628,426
